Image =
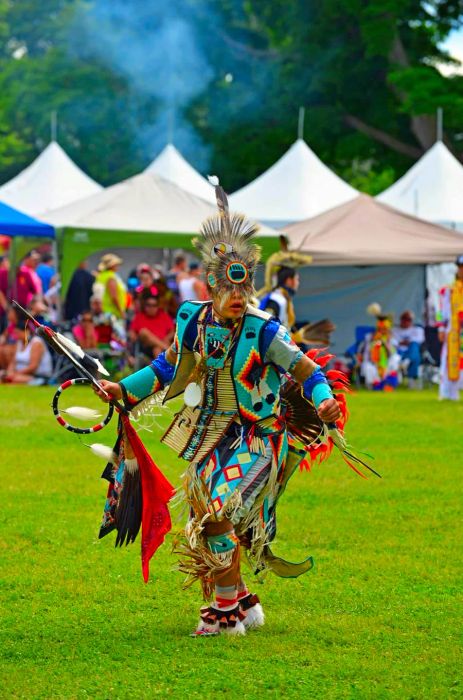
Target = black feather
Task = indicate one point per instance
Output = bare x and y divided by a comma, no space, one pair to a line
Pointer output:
129,509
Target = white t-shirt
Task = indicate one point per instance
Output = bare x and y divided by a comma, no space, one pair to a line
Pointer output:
282,302
23,358
186,289
405,336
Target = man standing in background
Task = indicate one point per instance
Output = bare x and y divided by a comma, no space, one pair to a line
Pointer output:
27,283
279,303
79,292
46,271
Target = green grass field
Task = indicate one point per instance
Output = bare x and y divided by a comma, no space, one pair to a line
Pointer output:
379,617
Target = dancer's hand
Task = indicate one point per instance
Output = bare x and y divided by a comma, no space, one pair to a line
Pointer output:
329,411
111,388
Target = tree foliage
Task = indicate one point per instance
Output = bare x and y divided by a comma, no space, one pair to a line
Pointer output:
366,72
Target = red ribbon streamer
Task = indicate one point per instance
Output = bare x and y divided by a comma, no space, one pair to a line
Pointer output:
156,493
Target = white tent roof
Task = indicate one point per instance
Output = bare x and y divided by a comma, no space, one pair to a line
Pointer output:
145,202
52,180
172,166
296,187
432,189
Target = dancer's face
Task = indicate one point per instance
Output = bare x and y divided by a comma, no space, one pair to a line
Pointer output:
230,305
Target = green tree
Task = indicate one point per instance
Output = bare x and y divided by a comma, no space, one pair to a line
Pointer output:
365,71
41,73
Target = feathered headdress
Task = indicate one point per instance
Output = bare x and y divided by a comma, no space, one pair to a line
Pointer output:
282,258
225,244
374,309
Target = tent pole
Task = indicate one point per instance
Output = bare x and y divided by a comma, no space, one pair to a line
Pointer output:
54,125
300,123
170,125
440,123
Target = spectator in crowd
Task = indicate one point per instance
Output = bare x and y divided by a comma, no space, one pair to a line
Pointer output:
132,282
9,338
31,362
408,339
4,270
27,283
146,285
53,300
152,327
191,287
146,280
110,286
79,292
175,274
107,327
39,311
46,271
85,332
167,299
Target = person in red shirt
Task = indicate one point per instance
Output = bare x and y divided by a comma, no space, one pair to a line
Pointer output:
4,268
27,283
152,327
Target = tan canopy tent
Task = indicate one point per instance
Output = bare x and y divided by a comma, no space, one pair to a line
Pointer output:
364,251
366,232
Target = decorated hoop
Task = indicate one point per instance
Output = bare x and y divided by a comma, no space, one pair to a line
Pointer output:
68,426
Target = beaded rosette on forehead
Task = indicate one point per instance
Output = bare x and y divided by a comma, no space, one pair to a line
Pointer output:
226,248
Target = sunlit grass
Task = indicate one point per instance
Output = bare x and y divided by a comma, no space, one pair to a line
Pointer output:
380,617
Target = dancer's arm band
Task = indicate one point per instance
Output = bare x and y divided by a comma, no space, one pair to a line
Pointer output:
316,387
163,369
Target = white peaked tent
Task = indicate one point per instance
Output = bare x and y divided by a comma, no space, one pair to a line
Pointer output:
145,211
172,166
432,189
298,186
52,180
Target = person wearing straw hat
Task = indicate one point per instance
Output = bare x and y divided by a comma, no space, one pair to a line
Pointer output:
451,335
110,287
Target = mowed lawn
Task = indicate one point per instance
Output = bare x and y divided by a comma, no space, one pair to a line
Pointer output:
379,617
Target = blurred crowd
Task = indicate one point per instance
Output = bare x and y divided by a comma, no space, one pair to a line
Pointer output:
125,322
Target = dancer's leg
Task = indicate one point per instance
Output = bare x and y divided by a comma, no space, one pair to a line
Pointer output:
224,615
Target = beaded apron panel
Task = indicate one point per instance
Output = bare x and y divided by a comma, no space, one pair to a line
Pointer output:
195,432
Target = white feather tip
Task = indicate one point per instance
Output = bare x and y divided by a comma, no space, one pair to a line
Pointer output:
102,451
214,180
131,465
81,413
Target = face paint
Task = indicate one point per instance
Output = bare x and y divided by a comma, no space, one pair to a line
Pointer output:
231,304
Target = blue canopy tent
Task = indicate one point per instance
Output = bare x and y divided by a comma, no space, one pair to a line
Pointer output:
18,227
14,223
